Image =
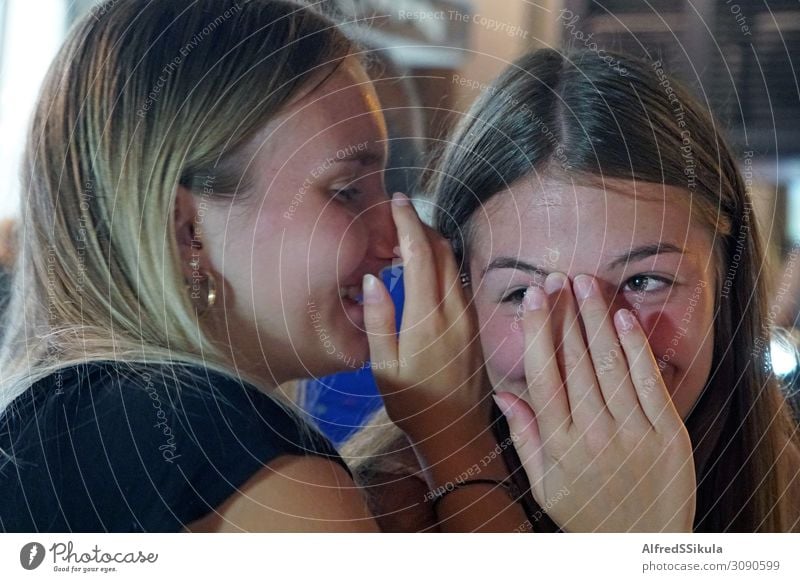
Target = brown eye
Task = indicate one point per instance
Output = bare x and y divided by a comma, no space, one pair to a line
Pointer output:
515,296
638,283
646,284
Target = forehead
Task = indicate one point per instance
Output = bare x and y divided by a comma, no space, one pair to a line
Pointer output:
585,223
344,102
340,113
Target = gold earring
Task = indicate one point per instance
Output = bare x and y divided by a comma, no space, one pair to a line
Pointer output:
211,298
211,293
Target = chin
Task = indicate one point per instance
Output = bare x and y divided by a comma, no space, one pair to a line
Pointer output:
353,352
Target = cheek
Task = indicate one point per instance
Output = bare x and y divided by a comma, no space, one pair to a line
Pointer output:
681,337
666,339
336,245
503,345
243,249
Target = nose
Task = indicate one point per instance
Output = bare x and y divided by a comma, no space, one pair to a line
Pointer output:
616,301
611,296
382,234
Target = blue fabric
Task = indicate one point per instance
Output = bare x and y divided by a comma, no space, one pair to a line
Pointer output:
340,404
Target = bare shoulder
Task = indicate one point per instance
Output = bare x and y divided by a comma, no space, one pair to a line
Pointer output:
293,493
397,493
385,466
400,503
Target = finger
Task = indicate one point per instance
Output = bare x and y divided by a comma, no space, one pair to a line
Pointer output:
419,265
451,292
652,394
446,266
545,388
585,400
448,276
608,357
524,431
380,324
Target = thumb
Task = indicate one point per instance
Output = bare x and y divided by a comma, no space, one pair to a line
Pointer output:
524,433
380,325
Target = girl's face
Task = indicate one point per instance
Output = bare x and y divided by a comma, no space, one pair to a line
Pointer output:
293,255
643,246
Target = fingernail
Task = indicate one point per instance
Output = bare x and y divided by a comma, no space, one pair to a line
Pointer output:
584,286
400,199
508,411
624,319
555,282
372,294
534,298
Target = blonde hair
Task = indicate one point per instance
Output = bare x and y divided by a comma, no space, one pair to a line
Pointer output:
142,98
8,243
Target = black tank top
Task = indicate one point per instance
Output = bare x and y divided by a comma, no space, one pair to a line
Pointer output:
118,447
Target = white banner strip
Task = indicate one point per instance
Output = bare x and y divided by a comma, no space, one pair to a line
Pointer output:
406,558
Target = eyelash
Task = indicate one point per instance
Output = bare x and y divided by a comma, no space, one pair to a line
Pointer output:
517,295
666,281
510,297
346,194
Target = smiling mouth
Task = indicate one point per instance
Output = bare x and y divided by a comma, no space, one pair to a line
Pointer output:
352,293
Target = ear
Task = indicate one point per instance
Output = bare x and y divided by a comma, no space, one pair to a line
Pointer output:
190,244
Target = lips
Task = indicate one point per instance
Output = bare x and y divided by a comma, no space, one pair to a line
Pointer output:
353,293
352,300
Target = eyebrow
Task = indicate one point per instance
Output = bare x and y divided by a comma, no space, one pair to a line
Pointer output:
634,254
643,252
514,263
364,157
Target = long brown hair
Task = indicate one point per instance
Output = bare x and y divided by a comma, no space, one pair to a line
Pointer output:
571,114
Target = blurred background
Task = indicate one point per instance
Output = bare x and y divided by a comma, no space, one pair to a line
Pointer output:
434,56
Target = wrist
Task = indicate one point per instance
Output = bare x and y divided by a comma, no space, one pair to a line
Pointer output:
506,486
449,462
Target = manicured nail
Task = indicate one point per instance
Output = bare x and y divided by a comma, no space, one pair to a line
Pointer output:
534,298
508,411
372,294
625,321
555,282
584,286
400,199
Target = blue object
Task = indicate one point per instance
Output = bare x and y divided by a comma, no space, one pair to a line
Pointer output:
342,403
